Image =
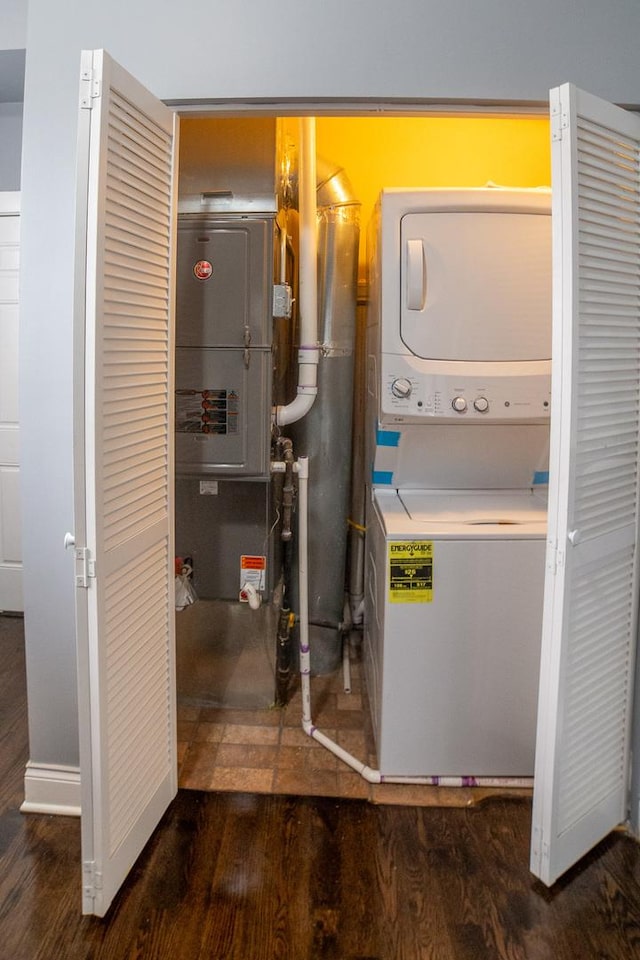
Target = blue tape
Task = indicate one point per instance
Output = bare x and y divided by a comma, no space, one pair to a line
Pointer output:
541,476
387,438
382,476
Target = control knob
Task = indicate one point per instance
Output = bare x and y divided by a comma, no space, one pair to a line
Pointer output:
459,404
481,404
401,388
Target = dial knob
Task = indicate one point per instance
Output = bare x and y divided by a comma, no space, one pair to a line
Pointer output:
481,404
459,404
401,388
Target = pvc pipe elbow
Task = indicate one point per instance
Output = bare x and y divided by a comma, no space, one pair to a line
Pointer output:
298,408
254,597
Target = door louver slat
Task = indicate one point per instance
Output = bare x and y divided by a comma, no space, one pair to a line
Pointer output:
136,216
601,314
600,760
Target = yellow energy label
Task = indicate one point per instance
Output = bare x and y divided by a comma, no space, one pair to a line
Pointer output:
411,571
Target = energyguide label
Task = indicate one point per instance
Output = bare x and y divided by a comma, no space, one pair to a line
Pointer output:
410,571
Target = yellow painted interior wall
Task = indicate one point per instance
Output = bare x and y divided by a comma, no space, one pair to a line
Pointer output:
381,152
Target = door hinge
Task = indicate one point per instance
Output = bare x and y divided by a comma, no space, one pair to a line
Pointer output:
91,879
555,557
89,89
559,121
85,566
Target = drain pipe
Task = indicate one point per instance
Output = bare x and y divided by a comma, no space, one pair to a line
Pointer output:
365,771
308,352
286,618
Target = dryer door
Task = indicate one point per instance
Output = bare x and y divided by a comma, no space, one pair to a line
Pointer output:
476,285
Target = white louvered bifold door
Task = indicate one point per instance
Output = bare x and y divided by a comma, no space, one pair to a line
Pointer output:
590,615
126,606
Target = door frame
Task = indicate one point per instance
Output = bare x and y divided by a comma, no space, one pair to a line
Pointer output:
410,108
10,206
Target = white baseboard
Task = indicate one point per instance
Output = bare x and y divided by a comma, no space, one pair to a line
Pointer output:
51,788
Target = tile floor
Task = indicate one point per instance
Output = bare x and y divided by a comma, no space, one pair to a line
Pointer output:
230,738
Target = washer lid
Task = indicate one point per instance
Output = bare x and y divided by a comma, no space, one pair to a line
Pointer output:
476,508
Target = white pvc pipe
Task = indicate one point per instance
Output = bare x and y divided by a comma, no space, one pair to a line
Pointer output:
346,663
283,251
368,773
303,588
254,597
308,352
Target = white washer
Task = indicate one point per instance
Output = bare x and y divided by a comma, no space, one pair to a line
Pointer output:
453,607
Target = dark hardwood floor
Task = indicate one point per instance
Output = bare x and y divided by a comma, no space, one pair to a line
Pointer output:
248,877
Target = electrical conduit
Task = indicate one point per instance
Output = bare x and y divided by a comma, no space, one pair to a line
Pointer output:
369,774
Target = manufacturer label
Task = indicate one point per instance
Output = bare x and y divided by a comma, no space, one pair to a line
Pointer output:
411,571
209,488
202,270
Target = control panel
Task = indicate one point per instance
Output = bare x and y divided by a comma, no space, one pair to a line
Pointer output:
500,392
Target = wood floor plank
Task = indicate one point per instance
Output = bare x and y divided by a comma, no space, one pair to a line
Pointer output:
264,877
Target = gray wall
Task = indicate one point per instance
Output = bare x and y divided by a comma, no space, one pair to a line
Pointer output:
505,50
13,17
13,40
11,140
499,49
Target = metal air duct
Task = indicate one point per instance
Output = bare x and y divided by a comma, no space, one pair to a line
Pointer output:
325,433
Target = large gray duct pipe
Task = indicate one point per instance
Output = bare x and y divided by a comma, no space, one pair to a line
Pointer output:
324,435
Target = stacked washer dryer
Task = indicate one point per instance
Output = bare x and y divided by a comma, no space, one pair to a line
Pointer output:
459,348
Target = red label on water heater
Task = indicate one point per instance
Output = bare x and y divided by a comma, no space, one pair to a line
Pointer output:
202,270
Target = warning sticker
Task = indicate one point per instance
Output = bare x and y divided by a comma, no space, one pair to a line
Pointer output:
411,571
207,411
252,572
